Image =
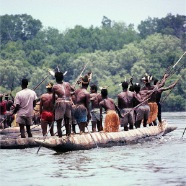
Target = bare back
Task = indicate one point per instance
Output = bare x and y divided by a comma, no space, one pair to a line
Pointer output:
126,99
46,102
62,90
95,99
82,97
107,104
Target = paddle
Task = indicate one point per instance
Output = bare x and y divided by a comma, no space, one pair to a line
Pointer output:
92,137
169,92
51,72
81,73
45,136
183,132
170,69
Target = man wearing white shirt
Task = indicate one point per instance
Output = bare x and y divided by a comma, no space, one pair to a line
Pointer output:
25,101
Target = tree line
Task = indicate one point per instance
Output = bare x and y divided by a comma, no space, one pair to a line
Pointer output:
113,51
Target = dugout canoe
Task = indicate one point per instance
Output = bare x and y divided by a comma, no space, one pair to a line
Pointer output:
17,129
101,139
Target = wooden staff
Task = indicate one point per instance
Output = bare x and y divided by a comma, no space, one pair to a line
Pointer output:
45,136
170,69
51,72
92,137
169,92
183,132
81,73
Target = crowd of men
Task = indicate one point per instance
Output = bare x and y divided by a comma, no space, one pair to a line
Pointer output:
64,104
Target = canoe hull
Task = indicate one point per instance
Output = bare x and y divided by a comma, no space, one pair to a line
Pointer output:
88,141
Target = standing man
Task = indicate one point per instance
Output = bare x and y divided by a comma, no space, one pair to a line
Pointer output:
143,110
152,101
2,112
62,103
125,104
111,119
47,110
9,108
158,98
82,100
24,103
95,99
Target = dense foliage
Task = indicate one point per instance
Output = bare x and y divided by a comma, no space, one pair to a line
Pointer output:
114,51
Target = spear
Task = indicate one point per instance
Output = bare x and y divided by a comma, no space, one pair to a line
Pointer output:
51,72
183,132
81,73
169,92
169,69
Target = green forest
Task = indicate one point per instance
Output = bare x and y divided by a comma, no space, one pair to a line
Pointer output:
113,52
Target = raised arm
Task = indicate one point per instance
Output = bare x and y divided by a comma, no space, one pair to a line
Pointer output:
169,87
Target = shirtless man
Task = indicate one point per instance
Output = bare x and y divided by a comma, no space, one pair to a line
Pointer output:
125,104
9,107
111,119
158,97
62,104
47,110
141,112
2,112
152,101
95,99
82,100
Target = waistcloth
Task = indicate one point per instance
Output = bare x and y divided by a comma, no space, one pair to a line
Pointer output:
142,112
111,121
80,113
63,108
47,116
153,112
95,114
128,118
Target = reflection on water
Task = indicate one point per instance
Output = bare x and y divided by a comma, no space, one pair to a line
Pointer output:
157,161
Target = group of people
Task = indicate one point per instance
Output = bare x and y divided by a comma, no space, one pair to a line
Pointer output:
70,107
6,105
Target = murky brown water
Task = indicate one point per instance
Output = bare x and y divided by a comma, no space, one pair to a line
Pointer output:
157,162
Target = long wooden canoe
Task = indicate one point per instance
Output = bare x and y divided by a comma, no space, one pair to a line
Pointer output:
101,139
87,140
17,129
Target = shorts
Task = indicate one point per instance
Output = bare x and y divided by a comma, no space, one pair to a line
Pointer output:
80,113
142,112
47,116
95,114
128,118
63,108
24,120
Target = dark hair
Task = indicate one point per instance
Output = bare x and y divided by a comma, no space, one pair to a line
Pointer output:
94,87
24,82
137,87
59,76
85,81
125,85
155,81
104,92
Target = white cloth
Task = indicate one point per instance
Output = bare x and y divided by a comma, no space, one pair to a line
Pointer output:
25,99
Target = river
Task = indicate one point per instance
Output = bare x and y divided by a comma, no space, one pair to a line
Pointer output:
161,161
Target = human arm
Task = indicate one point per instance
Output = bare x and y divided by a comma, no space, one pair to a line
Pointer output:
17,107
118,111
87,103
162,82
101,116
169,87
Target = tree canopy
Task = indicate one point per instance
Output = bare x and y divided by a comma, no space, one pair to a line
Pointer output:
114,51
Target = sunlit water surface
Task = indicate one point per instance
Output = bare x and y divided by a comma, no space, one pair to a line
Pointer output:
161,161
